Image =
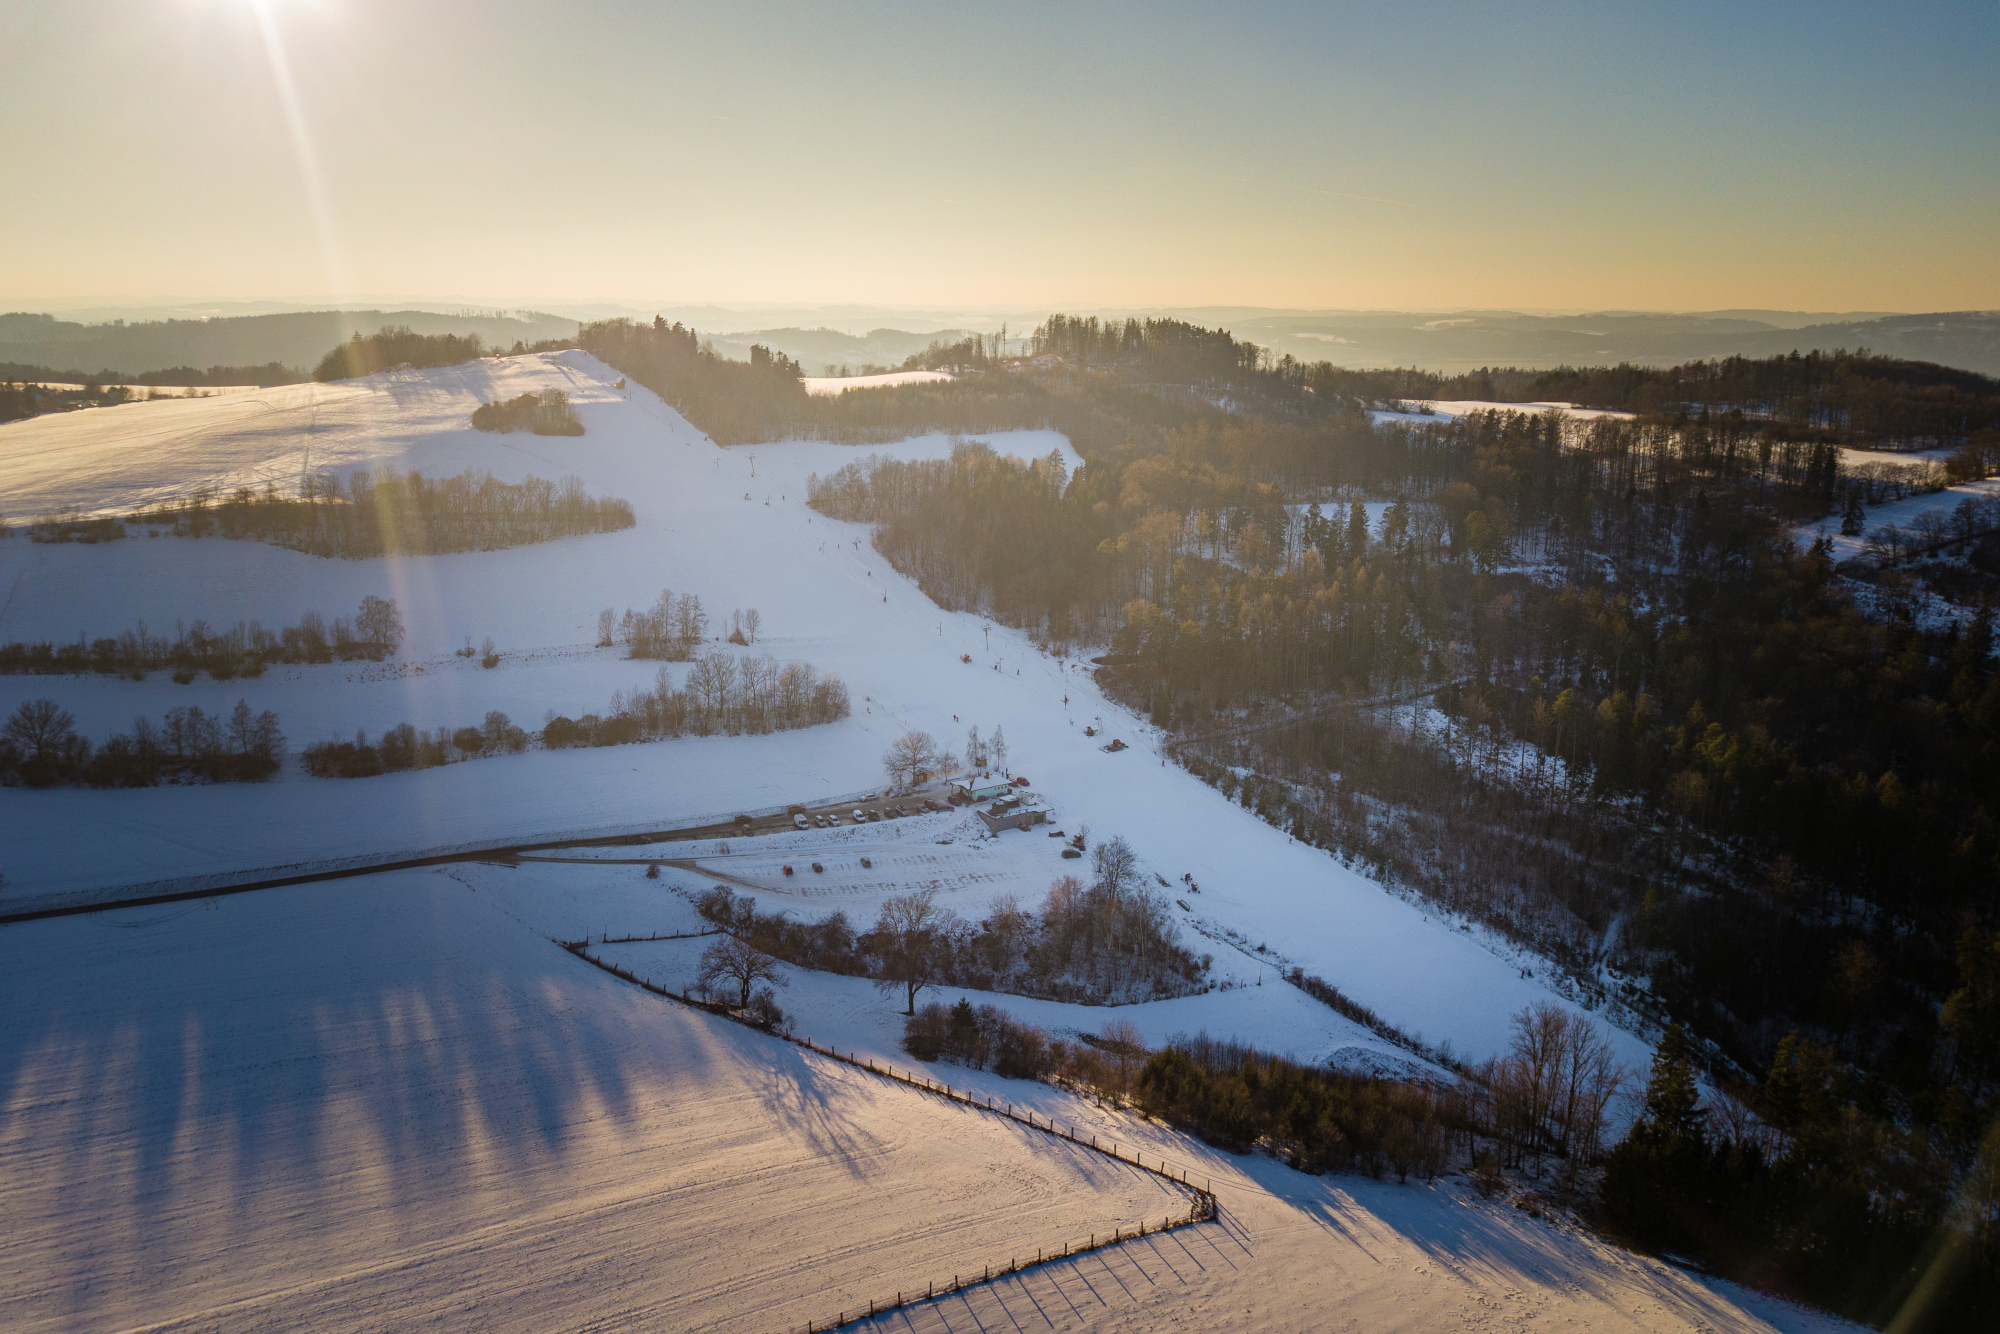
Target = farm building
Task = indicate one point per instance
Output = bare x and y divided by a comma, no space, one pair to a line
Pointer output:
981,789
1020,817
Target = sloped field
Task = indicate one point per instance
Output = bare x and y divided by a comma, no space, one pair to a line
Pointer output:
384,1105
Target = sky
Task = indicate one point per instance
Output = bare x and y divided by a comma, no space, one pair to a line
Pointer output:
1596,156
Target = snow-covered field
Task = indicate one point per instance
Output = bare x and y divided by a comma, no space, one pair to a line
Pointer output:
840,384
730,525
1468,406
388,1106
390,1100
1902,513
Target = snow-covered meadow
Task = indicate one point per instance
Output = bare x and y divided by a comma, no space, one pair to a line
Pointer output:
387,1105
393,1101
1903,514
840,384
729,525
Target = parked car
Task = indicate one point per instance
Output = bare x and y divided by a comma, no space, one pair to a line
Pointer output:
860,817
801,822
818,869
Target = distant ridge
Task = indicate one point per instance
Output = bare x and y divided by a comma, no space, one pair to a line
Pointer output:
856,336
294,338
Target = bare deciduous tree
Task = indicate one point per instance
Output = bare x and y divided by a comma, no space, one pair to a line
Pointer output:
1117,867
739,963
912,760
906,939
753,621
1550,1092
379,624
41,727
1126,1045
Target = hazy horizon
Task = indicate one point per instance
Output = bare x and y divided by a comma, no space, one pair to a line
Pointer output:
1277,157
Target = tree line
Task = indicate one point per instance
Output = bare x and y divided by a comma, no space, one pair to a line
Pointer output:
395,345
763,399
243,649
40,747
404,747
1107,940
1783,1187
723,695
1853,397
390,513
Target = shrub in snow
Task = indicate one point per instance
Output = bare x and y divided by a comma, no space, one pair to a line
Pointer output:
763,1009
546,413
671,629
985,1038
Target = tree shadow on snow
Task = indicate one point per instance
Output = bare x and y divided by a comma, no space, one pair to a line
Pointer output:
394,1034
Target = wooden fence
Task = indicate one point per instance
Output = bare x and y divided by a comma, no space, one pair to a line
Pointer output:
1202,1205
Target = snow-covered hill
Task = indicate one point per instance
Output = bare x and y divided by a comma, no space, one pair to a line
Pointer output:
315,1107
731,525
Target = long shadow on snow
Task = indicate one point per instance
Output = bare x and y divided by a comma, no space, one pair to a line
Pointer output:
1475,1238
248,1025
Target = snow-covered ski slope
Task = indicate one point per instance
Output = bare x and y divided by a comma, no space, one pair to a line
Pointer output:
730,525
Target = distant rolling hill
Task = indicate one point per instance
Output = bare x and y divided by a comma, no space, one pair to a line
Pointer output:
1432,340
296,339
1466,340
1968,340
